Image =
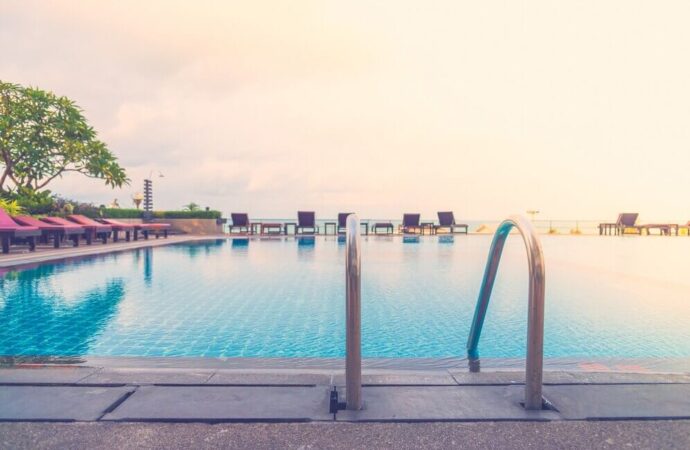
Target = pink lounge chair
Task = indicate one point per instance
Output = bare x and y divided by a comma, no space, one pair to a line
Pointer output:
157,228
57,232
145,228
92,227
89,231
9,229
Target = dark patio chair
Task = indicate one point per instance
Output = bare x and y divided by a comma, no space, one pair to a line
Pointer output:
342,222
446,219
627,221
410,224
240,221
306,223
624,222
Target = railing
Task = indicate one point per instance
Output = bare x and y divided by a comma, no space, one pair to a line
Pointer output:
353,312
535,314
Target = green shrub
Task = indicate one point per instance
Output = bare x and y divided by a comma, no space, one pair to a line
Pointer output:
123,213
186,214
11,207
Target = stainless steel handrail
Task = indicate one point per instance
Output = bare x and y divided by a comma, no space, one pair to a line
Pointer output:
353,307
535,313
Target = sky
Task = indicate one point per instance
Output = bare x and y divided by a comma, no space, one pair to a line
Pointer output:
579,109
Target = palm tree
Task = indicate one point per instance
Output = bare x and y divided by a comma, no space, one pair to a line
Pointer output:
191,207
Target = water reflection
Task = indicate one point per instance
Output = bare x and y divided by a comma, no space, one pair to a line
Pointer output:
448,239
240,243
306,242
305,247
38,320
410,239
204,247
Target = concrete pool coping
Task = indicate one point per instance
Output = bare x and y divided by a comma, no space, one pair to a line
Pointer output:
40,392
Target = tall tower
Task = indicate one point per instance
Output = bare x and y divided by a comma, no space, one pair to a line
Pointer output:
148,199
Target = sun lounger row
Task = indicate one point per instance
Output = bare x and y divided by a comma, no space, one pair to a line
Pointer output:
306,224
29,230
627,224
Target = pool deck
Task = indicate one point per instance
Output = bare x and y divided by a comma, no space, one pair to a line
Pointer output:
140,394
19,256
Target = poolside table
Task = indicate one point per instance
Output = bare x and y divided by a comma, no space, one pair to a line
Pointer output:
290,224
664,228
428,226
255,228
608,228
330,224
271,227
387,226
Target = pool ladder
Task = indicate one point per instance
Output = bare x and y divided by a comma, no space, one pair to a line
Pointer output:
535,316
535,309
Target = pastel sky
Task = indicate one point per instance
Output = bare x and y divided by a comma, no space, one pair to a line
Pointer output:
580,109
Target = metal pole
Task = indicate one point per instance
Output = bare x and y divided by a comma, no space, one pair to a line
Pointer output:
353,311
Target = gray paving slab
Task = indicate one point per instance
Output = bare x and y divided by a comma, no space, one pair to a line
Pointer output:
401,378
148,376
562,377
420,403
272,377
224,403
628,378
620,401
51,375
506,377
57,402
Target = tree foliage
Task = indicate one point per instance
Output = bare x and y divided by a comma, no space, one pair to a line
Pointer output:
43,137
191,206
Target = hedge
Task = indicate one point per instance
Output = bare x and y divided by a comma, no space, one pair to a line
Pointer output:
187,214
123,213
120,213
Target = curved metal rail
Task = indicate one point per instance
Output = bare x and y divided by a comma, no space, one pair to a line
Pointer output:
535,314
353,313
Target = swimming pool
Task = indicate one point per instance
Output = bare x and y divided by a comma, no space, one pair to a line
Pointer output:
284,297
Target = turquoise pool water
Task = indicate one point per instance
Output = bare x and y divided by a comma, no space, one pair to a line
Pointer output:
606,296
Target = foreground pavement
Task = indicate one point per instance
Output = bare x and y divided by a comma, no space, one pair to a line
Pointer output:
69,393
333,435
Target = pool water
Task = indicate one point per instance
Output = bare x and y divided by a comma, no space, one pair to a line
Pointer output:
284,297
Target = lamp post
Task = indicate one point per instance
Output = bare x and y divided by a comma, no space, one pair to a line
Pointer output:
137,199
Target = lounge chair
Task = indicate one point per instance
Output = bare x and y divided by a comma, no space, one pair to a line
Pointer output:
342,222
158,228
446,219
625,222
88,232
306,220
410,224
57,232
130,229
241,222
93,228
9,230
